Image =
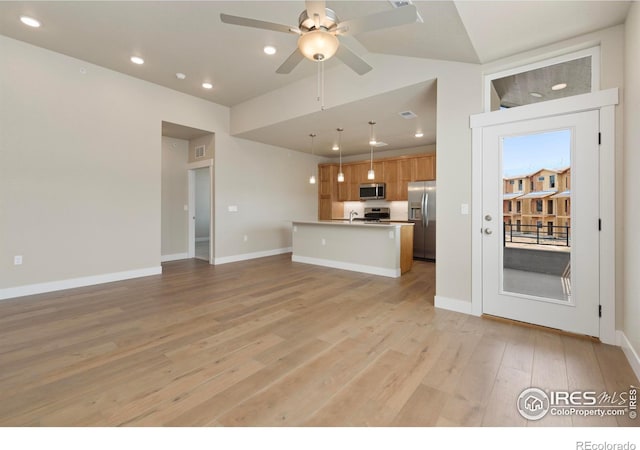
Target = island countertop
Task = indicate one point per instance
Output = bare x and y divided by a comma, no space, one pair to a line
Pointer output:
379,248
355,223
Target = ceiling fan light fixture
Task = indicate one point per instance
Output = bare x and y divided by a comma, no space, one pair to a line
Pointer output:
318,45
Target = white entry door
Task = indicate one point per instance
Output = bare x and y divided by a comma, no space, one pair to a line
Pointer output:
541,222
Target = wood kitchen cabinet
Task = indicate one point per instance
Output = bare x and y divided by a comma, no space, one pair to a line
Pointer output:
363,170
390,173
396,172
328,205
424,168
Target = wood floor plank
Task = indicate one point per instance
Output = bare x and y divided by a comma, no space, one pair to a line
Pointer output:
269,342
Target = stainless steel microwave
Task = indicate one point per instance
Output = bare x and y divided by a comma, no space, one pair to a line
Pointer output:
372,191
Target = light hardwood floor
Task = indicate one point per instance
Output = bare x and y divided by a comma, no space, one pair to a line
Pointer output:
269,342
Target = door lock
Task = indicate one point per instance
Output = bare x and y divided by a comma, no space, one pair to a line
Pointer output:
488,218
488,231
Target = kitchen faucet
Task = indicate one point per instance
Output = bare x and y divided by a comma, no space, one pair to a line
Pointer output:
351,214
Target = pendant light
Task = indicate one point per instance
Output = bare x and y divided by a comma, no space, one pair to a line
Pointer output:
372,136
340,174
312,178
372,141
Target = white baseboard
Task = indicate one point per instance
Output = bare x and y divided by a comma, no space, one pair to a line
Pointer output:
247,256
51,286
174,257
629,352
373,270
453,304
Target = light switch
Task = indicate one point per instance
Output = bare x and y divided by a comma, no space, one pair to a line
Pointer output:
186,207
464,209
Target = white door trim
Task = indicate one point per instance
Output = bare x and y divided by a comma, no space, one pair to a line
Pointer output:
605,101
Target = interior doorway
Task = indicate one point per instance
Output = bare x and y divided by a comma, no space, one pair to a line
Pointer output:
187,227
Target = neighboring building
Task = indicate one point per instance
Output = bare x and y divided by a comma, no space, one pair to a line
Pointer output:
540,199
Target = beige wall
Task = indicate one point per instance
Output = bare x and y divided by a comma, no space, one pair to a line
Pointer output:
431,148
175,196
631,321
80,171
459,95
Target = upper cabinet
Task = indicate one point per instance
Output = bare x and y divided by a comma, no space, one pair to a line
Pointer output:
396,173
424,168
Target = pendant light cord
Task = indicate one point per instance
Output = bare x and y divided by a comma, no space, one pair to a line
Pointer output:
320,87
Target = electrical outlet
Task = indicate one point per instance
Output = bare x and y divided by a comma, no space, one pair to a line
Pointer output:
17,260
232,208
245,238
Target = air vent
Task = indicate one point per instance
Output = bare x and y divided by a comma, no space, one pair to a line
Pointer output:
408,114
401,3
200,151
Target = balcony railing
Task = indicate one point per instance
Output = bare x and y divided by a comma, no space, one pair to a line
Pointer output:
537,234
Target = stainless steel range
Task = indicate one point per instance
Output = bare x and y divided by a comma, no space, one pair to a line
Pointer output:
375,215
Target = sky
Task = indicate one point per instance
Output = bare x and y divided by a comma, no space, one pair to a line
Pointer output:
523,155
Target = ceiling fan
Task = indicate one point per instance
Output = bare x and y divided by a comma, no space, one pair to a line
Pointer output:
322,34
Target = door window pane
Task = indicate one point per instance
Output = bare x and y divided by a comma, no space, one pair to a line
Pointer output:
537,236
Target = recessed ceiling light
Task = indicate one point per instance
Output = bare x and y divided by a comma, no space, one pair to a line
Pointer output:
180,76
270,50
335,147
535,94
30,21
137,60
207,85
419,134
558,87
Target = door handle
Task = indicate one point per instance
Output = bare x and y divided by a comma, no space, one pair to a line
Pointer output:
425,211
488,231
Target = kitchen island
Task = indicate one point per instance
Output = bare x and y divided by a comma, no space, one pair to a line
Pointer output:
383,248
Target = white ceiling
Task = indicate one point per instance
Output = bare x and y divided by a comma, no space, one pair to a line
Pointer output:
188,37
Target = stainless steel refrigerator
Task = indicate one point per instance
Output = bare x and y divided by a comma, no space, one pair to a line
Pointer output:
422,212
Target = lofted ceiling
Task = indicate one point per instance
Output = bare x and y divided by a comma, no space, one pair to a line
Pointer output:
188,37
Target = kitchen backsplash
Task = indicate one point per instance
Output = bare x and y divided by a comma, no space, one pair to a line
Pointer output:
399,210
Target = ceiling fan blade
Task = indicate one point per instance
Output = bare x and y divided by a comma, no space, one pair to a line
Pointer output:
253,23
291,62
357,64
316,7
386,19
